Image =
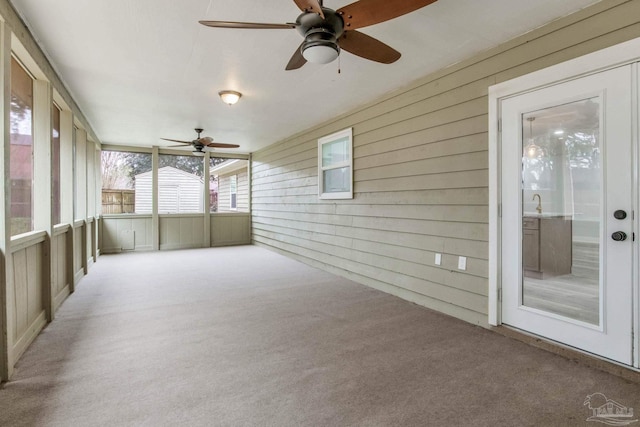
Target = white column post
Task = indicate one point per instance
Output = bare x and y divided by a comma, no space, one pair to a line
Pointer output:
6,323
155,219
42,183
67,189
206,242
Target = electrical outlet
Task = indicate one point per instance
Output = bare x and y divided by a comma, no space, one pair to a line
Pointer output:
462,263
438,260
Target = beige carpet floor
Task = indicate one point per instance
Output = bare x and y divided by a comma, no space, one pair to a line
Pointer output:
243,336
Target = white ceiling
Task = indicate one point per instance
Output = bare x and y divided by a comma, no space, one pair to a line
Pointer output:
145,69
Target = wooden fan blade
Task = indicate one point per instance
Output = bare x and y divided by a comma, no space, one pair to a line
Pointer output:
297,60
367,47
205,140
174,146
247,25
220,145
310,6
176,140
368,12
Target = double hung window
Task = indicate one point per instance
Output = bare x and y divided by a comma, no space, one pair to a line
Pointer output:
335,165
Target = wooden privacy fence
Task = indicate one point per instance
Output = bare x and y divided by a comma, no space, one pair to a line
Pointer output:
118,201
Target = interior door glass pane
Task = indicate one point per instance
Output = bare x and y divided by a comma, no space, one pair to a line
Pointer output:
561,205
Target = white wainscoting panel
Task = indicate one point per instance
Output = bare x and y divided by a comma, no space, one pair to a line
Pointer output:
181,231
119,230
230,229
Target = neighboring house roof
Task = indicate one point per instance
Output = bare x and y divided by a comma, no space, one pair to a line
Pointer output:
229,166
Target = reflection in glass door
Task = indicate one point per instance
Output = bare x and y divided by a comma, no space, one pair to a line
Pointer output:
561,210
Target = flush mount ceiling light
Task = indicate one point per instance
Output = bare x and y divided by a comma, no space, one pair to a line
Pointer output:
229,97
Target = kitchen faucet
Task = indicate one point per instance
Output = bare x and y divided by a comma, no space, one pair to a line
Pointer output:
539,207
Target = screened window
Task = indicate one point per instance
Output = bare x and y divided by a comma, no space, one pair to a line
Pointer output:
21,155
214,183
55,171
180,184
229,185
335,166
126,183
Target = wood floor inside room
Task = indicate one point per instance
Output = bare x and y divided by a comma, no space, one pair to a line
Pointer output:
576,295
243,336
569,296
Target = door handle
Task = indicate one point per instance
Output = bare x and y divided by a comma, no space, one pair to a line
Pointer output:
619,236
619,214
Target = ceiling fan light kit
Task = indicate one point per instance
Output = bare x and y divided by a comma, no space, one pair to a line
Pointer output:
320,53
320,34
229,97
326,31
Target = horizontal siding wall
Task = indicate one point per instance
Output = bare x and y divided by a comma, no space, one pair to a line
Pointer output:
242,192
224,193
420,174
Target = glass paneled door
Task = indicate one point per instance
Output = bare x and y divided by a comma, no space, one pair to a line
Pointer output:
567,229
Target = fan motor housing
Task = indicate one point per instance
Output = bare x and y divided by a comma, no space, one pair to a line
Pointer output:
320,32
312,22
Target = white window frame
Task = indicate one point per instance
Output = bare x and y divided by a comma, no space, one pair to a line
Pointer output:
348,133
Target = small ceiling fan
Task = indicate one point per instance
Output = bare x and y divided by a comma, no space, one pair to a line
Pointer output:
327,31
200,143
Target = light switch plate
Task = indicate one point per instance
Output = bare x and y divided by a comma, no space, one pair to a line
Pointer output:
462,263
438,260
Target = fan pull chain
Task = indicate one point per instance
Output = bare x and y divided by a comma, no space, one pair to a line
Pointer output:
338,64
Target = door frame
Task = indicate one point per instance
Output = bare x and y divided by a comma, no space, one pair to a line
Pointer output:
608,58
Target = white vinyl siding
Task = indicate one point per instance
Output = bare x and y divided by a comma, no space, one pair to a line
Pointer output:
242,192
178,192
420,173
143,188
233,192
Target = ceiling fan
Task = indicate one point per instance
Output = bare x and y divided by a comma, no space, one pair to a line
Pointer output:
200,143
327,31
